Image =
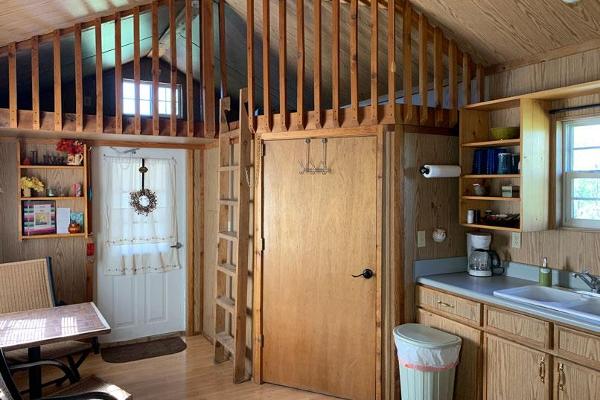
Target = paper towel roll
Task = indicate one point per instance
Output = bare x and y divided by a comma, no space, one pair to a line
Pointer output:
440,171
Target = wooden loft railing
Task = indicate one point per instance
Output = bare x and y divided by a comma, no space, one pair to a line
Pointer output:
446,60
57,120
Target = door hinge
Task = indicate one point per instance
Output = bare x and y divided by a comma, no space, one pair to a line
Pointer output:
262,341
263,149
262,244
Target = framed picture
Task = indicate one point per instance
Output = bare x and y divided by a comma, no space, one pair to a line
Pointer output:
39,217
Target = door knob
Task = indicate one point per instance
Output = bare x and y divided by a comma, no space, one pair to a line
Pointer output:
367,274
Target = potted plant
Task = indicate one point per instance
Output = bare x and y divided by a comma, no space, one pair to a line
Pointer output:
74,150
29,183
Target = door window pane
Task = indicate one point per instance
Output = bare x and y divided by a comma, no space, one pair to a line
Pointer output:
586,209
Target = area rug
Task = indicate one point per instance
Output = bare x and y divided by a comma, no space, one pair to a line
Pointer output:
142,350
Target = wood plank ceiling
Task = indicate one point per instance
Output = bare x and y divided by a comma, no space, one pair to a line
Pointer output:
500,31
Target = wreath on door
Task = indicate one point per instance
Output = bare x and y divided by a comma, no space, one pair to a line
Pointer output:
144,200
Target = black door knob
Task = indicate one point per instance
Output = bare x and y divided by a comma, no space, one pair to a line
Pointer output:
367,274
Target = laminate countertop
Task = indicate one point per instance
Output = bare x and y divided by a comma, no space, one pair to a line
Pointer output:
482,289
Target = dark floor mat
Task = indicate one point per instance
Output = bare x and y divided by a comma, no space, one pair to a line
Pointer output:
139,351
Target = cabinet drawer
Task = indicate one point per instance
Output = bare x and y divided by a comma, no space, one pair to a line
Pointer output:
577,346
521,328
463,309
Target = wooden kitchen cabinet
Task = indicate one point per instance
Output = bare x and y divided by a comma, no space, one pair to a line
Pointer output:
574,382
515,372
468,384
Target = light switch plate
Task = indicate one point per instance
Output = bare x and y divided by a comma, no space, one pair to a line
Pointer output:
515,240
421,239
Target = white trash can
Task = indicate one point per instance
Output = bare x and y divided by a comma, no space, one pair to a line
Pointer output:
427,358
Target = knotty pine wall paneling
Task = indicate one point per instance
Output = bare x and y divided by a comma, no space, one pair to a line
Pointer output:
569,250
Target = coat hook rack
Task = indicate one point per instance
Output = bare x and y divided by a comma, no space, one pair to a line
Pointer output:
309,167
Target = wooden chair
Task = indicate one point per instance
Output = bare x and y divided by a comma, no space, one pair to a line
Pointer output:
88,388
29,285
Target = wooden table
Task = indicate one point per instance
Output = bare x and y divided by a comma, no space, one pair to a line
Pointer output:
34,328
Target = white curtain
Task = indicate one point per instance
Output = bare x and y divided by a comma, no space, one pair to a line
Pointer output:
133,243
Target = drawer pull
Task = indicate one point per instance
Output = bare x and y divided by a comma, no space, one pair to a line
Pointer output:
542,369
561,377
441,303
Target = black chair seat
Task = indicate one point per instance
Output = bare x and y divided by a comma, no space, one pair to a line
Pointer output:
93,385
50,351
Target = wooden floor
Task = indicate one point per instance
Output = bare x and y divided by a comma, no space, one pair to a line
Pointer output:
190,374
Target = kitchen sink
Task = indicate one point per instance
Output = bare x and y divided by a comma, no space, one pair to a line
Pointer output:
582,304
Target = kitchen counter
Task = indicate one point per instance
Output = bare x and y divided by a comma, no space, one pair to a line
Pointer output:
482,289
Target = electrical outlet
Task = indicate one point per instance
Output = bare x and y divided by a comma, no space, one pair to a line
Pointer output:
421,239
515,240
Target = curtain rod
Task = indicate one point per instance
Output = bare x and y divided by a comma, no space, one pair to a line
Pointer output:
573,108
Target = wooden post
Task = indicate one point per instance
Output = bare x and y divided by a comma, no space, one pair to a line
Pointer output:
335,63
374,60
250,63
407,62
453,81
57,81
438,74
222,49
99,93
189,73
118,77
35,82
283,64
12,85
300,73
266,47
423,69
208,80
155,69
78,79
354,62
317,64
480,82
137,120
173,48
391,36
467,78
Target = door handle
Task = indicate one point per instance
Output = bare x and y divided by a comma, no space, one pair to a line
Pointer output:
367,274
177,245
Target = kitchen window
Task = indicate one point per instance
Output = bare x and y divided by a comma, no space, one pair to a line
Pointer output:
164,98
581,177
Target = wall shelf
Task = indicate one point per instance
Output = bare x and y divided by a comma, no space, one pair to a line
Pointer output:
494,176
491,227
56,235
53,198
494,143
52,167
490,198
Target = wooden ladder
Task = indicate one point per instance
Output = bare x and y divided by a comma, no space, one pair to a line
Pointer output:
233,240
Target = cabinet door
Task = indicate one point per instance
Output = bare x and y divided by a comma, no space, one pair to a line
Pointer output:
468,378
574,382
515,372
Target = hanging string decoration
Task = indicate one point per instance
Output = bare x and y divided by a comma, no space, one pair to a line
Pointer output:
143,201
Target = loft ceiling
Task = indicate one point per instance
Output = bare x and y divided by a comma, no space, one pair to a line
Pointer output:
499,31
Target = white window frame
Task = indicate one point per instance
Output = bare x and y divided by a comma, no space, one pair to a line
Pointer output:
178,94
569,176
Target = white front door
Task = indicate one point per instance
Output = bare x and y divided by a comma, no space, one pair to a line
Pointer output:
145,304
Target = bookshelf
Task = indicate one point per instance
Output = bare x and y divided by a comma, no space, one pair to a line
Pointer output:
58,177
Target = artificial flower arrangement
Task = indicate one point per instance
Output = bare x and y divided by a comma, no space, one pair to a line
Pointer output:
70,146
29,183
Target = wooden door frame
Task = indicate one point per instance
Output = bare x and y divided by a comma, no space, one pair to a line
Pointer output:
385,296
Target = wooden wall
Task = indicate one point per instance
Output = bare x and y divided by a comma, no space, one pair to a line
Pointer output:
429,204
570,250
68,255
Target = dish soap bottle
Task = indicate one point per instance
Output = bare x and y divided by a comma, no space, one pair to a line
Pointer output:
545,276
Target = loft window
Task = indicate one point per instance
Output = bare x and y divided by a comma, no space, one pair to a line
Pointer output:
581,177
146,98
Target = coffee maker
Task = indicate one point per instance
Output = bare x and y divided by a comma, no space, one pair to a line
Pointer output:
483,262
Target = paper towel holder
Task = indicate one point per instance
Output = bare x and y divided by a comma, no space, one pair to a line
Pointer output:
424,170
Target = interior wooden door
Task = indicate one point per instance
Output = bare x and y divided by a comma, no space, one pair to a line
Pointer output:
319,322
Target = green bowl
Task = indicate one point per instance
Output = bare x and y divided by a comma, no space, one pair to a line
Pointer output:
505,133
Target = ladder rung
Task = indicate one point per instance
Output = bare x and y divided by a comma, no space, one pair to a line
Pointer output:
228,168
227,341
228,269
226,303
228,202
228,235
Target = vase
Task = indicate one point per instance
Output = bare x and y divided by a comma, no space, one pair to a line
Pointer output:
74,159
27,192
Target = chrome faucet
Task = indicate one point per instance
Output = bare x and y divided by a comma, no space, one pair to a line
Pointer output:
589,279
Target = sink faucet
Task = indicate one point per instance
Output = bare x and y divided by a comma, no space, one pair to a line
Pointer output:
589,279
